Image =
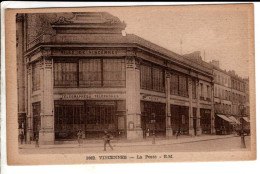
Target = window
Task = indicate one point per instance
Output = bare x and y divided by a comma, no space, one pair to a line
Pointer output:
208,92
158,79
183,87
66,74
194,89
201,90
90,72
146,76
114,72
179,85
215,92
152,77
36,76
174,88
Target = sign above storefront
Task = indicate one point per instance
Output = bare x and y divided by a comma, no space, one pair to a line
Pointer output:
88,52
152,98
92,96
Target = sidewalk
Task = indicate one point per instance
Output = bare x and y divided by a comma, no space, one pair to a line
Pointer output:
124,143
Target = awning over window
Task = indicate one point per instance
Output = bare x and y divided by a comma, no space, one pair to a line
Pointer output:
234,119
225,118
246,119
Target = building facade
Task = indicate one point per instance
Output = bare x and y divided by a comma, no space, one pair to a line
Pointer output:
77,71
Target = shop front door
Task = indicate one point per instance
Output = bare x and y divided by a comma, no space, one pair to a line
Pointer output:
36,119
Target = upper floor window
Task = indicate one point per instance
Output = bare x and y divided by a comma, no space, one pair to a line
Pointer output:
152,77
66,74
194,94
208,92
179,85
36,76
114,72
90,73
201,90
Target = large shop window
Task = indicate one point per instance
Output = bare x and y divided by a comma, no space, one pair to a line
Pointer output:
149,108
36,76
90,73
92,117
205,121
179,85
152,77
66,74
180,119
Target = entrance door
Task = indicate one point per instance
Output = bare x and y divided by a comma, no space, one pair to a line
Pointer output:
149,108
100,116
36,119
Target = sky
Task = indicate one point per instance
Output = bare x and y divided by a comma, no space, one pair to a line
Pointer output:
218,33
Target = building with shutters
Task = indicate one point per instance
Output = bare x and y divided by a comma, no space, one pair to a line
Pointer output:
76,71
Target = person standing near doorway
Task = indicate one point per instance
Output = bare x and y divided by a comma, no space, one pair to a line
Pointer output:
178,133
107,139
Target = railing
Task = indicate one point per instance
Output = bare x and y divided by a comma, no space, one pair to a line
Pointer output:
39,39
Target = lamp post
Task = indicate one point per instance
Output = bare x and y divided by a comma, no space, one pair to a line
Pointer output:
243,144
153,122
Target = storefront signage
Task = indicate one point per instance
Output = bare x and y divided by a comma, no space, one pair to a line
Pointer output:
88,52
152,98
92,96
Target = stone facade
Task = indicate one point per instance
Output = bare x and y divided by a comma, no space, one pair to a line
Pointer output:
189,107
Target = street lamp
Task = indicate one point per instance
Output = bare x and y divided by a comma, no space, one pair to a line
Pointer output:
153,122
243,144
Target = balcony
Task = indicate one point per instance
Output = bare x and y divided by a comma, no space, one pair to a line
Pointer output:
43,38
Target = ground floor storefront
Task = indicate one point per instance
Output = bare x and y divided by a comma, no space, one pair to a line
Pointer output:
92,117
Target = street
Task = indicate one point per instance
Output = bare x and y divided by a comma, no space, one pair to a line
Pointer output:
172,145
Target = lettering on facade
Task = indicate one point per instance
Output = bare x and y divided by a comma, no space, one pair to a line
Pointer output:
86,52
91,96
152,98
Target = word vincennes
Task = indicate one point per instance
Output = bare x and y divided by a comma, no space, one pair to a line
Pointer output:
116,157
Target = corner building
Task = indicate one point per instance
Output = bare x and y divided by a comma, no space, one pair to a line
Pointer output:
80,72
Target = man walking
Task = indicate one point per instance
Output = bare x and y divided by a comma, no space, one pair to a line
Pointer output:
107,139
79,134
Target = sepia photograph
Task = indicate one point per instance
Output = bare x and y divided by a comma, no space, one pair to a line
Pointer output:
131,84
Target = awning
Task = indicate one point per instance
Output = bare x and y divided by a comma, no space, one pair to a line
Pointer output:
246,119
225,118
234,119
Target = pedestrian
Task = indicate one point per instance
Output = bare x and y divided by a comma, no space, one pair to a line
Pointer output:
79,134
178,133
36,141
107,139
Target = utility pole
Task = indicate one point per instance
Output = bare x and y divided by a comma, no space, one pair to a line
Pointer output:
243,144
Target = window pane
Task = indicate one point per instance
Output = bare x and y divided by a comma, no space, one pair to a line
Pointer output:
146,77
114,72
36,76
174,84
90,72
158,79
65,74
